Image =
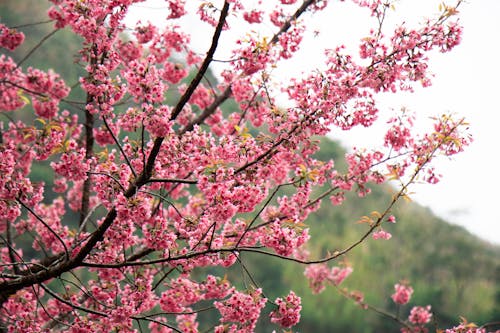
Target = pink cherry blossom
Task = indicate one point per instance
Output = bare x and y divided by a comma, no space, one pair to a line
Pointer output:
288,312
402,294
10,38
162,176
420,315
381,234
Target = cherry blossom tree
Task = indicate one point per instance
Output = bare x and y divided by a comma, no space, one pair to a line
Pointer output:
153,194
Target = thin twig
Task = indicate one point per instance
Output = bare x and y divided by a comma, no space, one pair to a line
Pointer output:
75,306
115,139
52,231
31,24
20,62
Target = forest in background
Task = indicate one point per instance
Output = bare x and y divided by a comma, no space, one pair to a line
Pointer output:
454,271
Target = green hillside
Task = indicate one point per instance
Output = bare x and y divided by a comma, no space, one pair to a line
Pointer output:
454,271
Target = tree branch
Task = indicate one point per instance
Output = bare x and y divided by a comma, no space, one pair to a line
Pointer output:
115,139
227,92
52,231
12,251
40,43
89,145
204,66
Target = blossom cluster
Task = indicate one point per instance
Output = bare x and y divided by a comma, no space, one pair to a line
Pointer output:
162,176
242,310
319,275
10,38
288,312
402,294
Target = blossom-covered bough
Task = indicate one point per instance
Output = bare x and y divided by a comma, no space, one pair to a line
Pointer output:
162,188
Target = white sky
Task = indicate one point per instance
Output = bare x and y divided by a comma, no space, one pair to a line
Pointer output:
465,83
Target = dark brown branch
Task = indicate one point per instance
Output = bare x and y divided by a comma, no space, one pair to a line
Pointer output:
11,249
148,169
247,272
491,324
172,180
208,111
271,150
63,315
167,273
284,28
140,254
57,268
116,181
143,151
204,66
163,198
266,154
40,303
157,322
89,145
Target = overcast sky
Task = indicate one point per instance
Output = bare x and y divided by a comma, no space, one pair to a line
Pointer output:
465,83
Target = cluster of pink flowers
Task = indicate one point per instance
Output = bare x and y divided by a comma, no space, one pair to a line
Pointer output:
402,294
288,312
10,38
420,315
319,275
181,294
290,41
145,34
144,81
173,73
168,187
284,240
254,16
241,309
72,165
255,56
207,13
381,234
177,8
23,310
45,88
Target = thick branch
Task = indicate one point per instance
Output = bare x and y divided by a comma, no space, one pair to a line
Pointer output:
11,249
148,170
89,146
204,66
284,28
173,180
